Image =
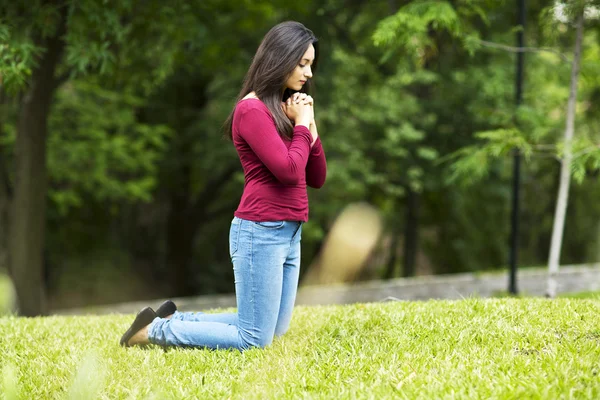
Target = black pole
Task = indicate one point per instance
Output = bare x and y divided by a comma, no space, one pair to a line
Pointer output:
514,235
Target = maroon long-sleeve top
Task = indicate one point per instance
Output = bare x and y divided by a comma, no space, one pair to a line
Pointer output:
277,171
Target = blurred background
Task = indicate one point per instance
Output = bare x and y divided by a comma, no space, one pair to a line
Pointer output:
116,183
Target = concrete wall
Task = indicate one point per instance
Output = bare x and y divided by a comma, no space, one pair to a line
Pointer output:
574,278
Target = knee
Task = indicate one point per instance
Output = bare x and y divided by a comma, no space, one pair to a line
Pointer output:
281,331
260,341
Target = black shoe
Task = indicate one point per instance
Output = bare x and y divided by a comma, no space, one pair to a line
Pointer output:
165,309
143,318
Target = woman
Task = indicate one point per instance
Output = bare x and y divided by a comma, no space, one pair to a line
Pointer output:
274,132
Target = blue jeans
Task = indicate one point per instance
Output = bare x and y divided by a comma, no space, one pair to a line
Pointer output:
266,265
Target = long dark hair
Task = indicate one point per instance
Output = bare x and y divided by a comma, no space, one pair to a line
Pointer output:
279,53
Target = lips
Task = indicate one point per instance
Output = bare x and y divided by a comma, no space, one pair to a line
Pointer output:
303,82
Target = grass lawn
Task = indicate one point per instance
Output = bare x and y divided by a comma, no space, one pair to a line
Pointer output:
469,349
582,295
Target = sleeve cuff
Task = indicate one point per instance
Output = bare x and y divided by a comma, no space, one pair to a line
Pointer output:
303,131
317,147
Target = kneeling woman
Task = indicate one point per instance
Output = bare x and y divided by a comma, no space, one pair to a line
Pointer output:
273,129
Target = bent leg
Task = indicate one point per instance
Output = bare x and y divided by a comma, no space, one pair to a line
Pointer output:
258,281
213,335
291,273
258,273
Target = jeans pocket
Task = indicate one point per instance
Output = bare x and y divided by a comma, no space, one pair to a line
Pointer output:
270,224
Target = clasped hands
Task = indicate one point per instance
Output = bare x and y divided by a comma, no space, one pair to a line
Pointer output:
299,109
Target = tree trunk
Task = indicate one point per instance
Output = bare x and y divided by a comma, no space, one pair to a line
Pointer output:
565,174
4,204
411,233
5,196
28,208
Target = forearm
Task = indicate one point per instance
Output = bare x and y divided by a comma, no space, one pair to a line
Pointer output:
287,164
313,131
316,168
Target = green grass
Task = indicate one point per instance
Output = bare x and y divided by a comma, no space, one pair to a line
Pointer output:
582,295
468,349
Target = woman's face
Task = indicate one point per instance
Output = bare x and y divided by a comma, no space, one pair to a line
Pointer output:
303,70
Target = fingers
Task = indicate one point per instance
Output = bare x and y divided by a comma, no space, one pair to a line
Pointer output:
297,99
301,98
308,100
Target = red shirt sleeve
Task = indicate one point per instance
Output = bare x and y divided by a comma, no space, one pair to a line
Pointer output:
316,168
257,128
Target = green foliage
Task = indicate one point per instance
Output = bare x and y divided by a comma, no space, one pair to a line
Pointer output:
117,39
16,59
586,157
538,125
432,349
20,47
377,119
105,152
414,26
98,149
406,100
474,162
410,26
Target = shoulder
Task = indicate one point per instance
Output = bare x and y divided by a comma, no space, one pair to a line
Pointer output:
252,107
251,104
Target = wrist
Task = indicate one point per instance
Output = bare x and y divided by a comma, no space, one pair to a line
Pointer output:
303,121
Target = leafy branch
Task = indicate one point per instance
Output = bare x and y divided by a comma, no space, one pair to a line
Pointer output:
513,49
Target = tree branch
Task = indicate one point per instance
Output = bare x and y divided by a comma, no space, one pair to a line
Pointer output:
587,151
544,147
513,49
546,155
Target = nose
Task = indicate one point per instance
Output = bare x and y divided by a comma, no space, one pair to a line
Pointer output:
308,72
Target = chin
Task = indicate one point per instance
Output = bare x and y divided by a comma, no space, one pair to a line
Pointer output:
295,88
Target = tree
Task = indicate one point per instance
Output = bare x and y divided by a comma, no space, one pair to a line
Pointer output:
46,43
529,137
567,159
423,30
